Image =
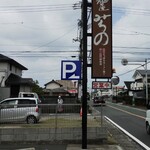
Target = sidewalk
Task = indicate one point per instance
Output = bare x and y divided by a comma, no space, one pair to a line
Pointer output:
59,147
94,147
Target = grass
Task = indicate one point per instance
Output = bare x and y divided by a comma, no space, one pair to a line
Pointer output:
60,122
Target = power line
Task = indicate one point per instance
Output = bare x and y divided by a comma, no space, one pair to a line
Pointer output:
131,47
61,7
16,6
134,33
132,52
41,51
35,8
68,51
132,11
36,45
55,39
133,69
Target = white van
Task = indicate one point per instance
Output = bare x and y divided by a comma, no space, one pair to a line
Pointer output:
20,109
29,94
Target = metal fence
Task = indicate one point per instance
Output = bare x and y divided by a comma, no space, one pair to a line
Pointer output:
66,113
54,121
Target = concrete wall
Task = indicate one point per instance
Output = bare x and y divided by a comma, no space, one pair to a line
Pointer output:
50,134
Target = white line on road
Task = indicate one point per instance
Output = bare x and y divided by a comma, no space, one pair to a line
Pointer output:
128,134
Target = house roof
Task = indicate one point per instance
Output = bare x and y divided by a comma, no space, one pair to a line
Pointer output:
17,80
59,90
53,82
141,72
11,61
66,83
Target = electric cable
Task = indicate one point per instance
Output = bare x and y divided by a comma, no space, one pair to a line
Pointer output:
133,69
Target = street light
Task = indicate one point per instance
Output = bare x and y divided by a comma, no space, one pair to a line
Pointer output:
125,62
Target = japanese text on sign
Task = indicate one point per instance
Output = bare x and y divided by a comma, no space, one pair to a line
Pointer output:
101,85
102,39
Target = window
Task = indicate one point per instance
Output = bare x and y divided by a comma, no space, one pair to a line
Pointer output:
15,69
28,95
10,67
26,103
8,104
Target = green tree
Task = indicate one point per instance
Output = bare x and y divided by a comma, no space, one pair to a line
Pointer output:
37,89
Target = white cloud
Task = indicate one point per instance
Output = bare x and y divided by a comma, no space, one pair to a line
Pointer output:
55,30
132,29
38,31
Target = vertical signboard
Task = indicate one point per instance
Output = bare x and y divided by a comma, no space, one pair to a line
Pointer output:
102,39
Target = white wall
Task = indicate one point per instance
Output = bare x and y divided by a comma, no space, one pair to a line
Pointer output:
25,89
6,70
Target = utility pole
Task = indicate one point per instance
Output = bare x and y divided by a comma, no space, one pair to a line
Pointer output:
84,78
146,83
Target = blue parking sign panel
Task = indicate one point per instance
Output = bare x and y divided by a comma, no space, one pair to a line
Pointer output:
70,70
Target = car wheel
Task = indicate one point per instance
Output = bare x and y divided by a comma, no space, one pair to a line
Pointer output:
31,120
147,128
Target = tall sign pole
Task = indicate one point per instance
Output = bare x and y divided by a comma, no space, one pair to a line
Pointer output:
84,81
101,50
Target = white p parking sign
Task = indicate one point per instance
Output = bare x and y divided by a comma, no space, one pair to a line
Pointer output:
70,70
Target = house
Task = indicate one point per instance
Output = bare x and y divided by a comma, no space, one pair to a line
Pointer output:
137,87
11,81
60,87
139,77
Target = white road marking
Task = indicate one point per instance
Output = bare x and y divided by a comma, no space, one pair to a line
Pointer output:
128,134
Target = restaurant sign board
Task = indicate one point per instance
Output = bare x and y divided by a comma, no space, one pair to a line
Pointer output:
101,38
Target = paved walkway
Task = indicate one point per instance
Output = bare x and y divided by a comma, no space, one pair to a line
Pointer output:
94,147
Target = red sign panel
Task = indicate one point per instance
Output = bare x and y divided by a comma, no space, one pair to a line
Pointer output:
101,85
102,39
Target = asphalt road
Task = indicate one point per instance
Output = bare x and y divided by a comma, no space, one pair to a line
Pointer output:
130,119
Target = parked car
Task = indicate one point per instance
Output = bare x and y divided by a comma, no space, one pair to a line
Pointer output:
29,94
99,100
20,109
147,120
